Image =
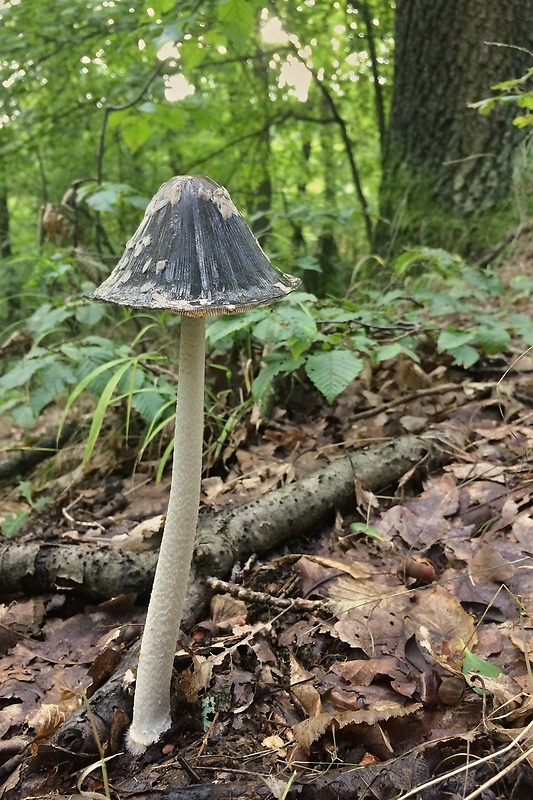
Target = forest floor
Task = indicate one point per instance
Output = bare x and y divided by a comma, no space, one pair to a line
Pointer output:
409,676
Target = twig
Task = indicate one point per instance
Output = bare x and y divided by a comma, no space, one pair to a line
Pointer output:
512,236
238,140
77,522
348,146
108,109
526,755
206,736
241,593
465,767
343,127
398,401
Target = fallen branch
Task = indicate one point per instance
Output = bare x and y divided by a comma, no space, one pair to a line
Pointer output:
254,528
99,572
428,392
510,238
96,572
25,460
264,599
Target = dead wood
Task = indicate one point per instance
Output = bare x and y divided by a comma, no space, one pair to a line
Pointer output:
13,468
95,572
510,238
100,572
298,507
244,790
254,528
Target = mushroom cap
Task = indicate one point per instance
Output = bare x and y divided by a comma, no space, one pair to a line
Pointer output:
194,254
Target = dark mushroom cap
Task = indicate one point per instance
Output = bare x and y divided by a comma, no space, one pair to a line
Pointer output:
194,254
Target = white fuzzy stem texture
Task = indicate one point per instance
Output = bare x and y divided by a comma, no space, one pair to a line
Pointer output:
151,710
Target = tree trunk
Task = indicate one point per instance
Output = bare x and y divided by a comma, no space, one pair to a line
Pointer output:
448,171
5,245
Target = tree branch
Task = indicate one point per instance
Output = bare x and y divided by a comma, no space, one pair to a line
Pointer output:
348,145
378,93
108,109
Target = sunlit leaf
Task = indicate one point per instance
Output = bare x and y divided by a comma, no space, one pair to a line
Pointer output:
238,19
479,666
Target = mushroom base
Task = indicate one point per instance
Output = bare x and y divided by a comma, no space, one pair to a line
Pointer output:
137,741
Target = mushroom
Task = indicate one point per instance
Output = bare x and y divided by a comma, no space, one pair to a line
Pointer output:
193,254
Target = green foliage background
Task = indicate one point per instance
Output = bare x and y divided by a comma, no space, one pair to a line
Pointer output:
284,103
69,68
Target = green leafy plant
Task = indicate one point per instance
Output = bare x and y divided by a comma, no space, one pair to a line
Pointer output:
514,91
11,524
437,299
475,665
366,530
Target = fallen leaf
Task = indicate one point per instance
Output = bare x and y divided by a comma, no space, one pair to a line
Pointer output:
144,536
302,688
310,730
228,612
439,622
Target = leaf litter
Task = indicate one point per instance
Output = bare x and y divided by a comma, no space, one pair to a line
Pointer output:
418,659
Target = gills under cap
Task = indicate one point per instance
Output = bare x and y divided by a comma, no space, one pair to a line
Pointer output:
194,254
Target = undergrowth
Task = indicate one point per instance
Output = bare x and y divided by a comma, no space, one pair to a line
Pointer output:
70,349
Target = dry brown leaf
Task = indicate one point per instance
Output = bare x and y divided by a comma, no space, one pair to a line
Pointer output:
144,536
211,488
356,570
440,623
198,678
23,618
49,716
362,673
310,730
370,614
409,376
276,786
347,594
510,702
303,690
423,521
485,470
227,611
488,566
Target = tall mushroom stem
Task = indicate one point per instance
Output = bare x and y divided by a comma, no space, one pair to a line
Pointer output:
151,711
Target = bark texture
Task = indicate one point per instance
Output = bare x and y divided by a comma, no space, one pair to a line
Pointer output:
92,571
99,572
5,244
443,159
